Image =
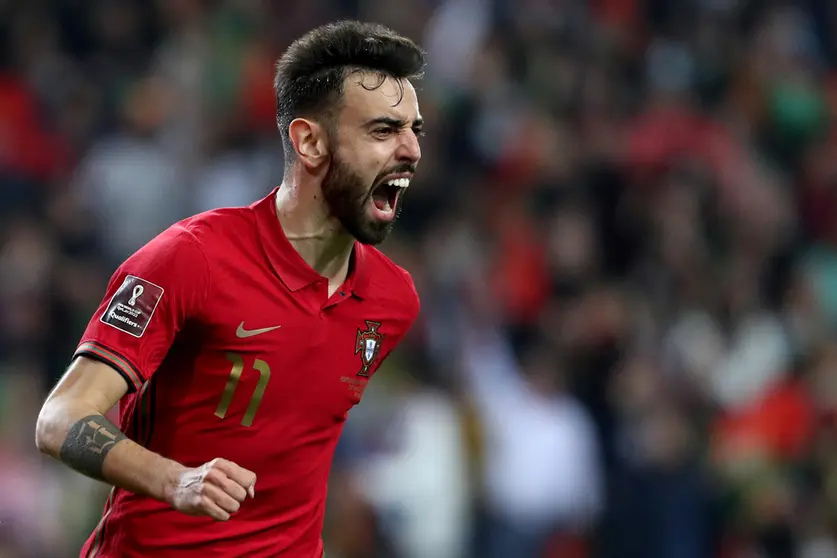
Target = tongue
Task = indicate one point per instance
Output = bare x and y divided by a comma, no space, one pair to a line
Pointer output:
381,199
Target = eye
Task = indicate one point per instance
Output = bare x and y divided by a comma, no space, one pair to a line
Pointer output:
383,132
419,132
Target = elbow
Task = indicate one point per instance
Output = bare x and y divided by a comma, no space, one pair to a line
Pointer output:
46,430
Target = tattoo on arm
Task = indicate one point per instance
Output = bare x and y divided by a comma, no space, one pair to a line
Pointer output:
88,443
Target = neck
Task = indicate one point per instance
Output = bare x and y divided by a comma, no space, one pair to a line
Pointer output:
313,233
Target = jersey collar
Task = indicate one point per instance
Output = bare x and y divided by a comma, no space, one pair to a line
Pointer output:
294,271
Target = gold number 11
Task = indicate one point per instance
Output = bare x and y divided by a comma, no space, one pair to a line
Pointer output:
232,383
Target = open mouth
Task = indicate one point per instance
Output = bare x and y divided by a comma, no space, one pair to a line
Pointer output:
385,195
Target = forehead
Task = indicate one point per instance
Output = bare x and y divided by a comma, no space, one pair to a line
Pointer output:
366,96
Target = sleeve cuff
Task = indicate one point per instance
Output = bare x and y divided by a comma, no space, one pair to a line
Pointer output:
118,362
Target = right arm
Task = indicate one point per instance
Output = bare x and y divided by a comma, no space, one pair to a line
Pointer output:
73,429
148,300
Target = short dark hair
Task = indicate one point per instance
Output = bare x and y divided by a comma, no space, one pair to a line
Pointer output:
311,74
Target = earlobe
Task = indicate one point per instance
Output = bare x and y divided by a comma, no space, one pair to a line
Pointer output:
306,138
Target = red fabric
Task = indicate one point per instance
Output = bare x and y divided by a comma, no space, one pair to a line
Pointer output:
818,208
620,14
26,148
818,198
520,278
240,305
257,96
567,546
661,134
782,423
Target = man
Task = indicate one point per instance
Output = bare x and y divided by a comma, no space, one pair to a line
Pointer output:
237,341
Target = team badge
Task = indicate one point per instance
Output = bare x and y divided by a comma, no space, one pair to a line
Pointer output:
368,345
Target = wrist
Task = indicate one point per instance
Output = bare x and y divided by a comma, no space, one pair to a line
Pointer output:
170,482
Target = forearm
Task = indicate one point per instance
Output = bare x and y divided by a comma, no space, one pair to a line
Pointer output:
86,441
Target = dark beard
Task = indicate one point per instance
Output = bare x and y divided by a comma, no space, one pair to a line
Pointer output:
347,195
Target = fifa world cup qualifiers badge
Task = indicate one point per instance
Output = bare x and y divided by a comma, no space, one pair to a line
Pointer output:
131,308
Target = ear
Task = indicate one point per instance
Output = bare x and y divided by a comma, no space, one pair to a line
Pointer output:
309,140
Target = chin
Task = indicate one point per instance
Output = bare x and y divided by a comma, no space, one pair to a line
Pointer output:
373,237
372,231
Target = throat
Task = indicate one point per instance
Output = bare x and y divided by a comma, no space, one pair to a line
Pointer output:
329,257
325,248
334,286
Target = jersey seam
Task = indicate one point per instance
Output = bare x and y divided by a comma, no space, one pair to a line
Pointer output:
86,352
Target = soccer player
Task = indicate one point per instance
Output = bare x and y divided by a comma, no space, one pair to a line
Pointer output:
237,341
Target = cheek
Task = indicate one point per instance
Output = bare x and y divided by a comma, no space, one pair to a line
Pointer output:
372,167
376,156
367,161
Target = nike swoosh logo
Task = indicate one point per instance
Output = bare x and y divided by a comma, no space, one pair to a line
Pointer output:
244,333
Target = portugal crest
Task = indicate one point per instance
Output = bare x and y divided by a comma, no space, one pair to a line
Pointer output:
368,345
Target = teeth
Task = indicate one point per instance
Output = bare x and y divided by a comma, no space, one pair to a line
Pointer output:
399,182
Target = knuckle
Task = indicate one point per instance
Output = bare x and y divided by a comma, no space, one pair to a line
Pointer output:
229,487
212,475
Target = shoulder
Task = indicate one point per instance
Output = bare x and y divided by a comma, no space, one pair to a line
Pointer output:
390,283
195,239
222,234
219,224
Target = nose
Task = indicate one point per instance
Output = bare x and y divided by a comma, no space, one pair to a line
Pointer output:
409,150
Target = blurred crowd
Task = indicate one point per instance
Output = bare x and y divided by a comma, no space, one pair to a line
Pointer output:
624,233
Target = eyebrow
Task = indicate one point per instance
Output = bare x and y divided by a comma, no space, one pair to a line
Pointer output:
394,122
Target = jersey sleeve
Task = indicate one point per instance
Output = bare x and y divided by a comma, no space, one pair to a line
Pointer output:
148,300
413,301
408,312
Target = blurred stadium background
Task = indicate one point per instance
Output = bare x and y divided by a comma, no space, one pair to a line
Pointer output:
623,230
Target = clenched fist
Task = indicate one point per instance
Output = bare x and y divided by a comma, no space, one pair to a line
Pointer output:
215,489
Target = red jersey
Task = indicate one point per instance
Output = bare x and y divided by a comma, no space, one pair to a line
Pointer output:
232,348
